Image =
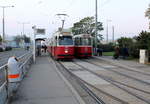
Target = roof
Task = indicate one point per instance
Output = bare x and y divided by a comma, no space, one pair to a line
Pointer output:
83,35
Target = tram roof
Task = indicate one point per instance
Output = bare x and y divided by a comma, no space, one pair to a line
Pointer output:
83,35
63,33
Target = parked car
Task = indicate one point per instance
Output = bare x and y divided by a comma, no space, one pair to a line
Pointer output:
8,48
2,48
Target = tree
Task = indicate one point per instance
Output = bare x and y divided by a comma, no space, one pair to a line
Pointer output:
143,40
147,13
26,39
17,39
87,26
125,42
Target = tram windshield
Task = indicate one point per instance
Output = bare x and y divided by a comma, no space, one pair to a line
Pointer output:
65,40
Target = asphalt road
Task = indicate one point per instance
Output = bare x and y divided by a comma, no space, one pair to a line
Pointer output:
15,52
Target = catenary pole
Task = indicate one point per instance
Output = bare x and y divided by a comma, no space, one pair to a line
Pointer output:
96,27
113,34
3,20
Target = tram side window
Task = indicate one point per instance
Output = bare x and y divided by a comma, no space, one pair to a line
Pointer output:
89,41
86,41
77,41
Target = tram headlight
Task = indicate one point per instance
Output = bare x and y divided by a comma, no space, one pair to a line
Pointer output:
66,51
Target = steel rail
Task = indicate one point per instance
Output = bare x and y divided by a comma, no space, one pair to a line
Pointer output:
113,83
94,96
147,92
124,68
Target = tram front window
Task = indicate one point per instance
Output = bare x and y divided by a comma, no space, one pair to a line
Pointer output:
65,40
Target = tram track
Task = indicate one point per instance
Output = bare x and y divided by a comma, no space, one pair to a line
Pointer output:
127,76
119,85
124,68
119,101
64,70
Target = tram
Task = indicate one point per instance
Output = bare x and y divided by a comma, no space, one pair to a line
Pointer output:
61,45
83,45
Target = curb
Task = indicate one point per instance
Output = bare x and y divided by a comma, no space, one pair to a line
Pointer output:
74,92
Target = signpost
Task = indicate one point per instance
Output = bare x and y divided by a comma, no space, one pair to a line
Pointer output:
40,31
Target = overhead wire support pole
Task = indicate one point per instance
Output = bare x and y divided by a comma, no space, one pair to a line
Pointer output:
23,25
113,34
107,32
34,37
95,27
107,21
3,20
3,25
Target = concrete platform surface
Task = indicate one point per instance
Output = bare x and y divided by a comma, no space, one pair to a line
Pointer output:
43,85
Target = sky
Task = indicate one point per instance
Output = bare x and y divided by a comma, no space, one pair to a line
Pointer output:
127,16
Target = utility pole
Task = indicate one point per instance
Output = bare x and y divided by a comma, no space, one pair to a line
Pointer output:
34,36
3,20
113,34
107,21
96,27
23,25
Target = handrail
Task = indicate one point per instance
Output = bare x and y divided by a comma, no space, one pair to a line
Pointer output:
5,65
4,87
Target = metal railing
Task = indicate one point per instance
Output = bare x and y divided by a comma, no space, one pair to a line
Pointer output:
24,64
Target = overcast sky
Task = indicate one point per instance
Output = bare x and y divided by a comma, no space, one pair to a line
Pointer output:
127,16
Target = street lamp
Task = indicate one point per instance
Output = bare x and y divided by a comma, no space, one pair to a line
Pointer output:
3,7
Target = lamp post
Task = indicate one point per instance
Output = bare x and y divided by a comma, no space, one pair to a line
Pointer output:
3,20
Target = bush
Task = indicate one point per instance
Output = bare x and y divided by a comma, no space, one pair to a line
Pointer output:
106,47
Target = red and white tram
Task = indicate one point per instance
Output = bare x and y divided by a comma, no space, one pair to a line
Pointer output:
61,45
83,45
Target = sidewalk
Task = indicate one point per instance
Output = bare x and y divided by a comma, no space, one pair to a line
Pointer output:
43,85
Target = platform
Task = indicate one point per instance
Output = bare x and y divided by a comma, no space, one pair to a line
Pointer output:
43,85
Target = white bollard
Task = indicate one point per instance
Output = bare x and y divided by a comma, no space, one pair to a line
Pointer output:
14,75
143,56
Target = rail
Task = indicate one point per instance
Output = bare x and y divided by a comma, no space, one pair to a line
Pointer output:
24,63
82,83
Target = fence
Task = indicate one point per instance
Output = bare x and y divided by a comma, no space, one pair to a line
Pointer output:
6,89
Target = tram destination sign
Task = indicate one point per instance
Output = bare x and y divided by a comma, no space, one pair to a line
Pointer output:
40,31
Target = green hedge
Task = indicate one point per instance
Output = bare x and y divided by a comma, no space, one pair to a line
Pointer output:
106,47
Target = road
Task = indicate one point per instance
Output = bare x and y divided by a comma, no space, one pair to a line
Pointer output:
5,55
